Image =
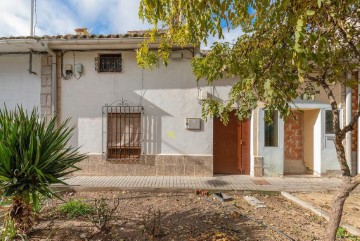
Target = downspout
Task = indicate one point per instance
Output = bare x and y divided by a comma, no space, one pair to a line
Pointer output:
53,81
348,116
31,34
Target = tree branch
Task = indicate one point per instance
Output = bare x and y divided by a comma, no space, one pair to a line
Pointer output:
321,81
339,133
352,123
344,34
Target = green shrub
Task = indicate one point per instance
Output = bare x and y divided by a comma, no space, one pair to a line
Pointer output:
343,233
33,155
76,208
104,213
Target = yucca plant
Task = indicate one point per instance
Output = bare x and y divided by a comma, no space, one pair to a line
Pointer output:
33,156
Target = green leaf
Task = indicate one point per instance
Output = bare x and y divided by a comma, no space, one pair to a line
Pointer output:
319,3
33,155
310,12
298,48
300,22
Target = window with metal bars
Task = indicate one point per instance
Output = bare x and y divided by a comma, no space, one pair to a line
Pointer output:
123,132
108,63
271,131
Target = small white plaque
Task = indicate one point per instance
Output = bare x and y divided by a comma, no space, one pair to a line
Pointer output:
193,123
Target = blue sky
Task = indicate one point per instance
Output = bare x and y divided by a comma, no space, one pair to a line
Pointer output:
63,16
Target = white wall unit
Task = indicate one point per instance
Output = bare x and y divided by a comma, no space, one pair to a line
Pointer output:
168,95
17,85
273,156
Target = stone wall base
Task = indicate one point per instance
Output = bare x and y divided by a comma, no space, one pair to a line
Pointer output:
331,173
150,165
258,166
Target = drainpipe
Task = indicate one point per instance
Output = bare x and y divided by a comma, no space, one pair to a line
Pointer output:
53,80
347,121
31,34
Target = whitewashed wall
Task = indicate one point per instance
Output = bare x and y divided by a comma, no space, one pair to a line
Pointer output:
169,95
273,156
329,160
17,85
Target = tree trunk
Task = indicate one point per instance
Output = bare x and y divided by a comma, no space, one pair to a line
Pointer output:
21,213
340,197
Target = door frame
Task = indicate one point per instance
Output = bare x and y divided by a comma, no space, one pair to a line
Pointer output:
249,165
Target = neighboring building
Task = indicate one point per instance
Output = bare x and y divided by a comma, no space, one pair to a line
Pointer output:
140,122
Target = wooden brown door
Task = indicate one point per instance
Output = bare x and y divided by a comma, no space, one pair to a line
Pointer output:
232,146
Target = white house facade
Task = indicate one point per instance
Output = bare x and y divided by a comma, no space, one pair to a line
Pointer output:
140,122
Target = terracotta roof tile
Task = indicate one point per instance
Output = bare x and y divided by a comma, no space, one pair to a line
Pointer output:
130,34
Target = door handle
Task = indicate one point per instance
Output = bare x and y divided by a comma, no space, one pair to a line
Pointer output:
242,142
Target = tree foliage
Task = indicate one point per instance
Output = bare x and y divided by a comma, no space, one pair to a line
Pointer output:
283,43
288,48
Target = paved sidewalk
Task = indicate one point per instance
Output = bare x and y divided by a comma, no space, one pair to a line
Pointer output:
228,182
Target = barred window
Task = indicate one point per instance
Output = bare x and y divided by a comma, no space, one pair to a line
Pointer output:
123,132
108,63
271,131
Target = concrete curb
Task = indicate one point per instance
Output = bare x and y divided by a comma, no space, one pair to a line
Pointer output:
79,188
351,229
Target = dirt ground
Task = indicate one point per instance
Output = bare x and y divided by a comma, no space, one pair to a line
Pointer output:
351,213
184,216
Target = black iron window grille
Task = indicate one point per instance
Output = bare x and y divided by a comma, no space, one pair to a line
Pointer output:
108,63
123,132
271,131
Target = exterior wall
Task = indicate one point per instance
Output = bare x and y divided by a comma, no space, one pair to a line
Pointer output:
294,143
294,137
337,90
354,133
168,95
324,157
318,143
309,125
253,166
46,97
17,85
273,157
329,163
149,165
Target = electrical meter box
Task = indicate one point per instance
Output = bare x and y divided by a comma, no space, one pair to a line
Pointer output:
193,123
78,68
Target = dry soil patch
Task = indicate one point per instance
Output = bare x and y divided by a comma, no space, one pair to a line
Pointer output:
351,213
185,216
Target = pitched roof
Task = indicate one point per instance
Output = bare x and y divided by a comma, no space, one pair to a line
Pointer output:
14,44
130,34
130,40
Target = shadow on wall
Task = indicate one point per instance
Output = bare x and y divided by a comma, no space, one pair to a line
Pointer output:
152,131
151,134
91,132
151,124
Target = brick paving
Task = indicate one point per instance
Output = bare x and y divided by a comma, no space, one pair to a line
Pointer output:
228,182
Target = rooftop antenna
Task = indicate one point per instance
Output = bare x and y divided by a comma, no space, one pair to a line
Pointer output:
32,18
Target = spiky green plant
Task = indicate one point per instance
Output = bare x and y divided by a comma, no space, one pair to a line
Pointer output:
33,155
